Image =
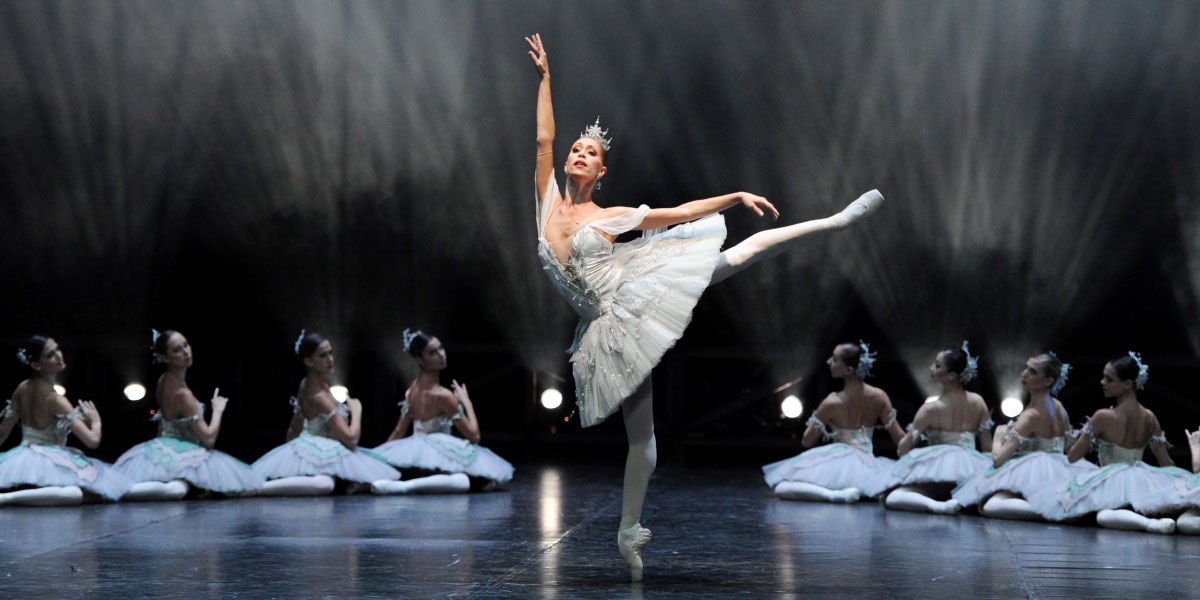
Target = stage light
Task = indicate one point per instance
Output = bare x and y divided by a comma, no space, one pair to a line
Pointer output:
60,390
135,391
791,406
1011,407
340,393
551,399
930,399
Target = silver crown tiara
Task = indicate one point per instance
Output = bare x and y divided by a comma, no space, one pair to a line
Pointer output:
593,131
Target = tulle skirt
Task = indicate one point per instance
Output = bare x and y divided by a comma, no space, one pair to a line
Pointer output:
45,465
1024,475
446,453
832,466
664,276
942,463
1179,496
1113,486
166,458
309,455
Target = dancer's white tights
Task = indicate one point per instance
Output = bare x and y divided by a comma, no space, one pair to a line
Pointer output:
455,483
46,496
771,242
1003,505
1131,521
913,500
299,485
149,491
638,411
800,490
1189,522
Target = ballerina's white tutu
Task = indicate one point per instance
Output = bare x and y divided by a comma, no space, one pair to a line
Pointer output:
951,458
432,448
177,454
1039,463
848,462
1180,495
42,459
316,452
634,299
1122,479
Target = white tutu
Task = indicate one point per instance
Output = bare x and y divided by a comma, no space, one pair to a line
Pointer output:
832,466
1113,486
634,299
45,465
941,463
446,453
166,458
1024,475
309,455
1180,495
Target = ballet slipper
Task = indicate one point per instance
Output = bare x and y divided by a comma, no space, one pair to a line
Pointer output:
1163,526
385,487
859,209
630,542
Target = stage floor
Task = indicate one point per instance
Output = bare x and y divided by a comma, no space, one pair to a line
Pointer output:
718,533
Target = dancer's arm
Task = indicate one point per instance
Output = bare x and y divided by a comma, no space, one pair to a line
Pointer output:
7,423
467,424
545,116
295,426
887,415
1100,422
402,426
690,211
1193,438
920,423
86,426
1007,434
984,434
1158,445
207,432
813,434
346,433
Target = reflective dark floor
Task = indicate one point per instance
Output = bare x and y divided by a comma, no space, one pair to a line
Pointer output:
718,532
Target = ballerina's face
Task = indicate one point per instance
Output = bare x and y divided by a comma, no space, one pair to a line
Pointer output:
838,368
938,371
179,352
51,360
321,360
1034,378
1112,384
586,159
433,357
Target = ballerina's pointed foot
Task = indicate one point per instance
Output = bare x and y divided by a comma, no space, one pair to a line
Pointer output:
1163,526
630,542
859,209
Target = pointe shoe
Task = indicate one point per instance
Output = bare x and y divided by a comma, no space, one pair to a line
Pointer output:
384,487
630,542
859,209
851,495
950,507
1163,526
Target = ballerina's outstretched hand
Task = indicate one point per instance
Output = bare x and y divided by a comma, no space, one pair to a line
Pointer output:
538,54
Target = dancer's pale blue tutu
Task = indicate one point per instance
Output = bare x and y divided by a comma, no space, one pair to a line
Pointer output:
43,460
846,463
950,459
1039,463
432,448
316,452
177,454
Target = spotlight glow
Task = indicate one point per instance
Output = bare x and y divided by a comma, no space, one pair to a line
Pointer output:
551,399
1011,407
135,392
791,406
930,399
60,390
340,393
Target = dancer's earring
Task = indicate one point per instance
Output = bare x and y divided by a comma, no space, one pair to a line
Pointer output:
598,182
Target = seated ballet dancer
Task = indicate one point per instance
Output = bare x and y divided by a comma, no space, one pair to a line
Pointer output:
921,481
635,298
432,460
1180,498
42,470
1121,435
846,469
1029,452
182,455
323,436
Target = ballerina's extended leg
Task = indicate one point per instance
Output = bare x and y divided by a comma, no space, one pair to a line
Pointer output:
1189,522
800,490
914,501
299,485
1131,521
150,491
67,495
768,243
1003,505
454,483
638,411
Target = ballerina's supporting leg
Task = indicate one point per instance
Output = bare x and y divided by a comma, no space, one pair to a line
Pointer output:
454,483
771,242
911,500
299,485
1003,505
1131,521
150,491
800,490
638,411
1189,522
68,495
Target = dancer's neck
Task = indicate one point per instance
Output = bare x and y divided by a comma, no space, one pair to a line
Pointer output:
428,379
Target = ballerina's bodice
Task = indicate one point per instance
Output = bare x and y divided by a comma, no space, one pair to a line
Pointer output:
1025,445
587,272
181,428
1110,453
54,435
936,437
438,424
319,425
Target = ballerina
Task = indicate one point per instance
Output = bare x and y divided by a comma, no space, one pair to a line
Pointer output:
847,469
1179,499
1029,455
42,470
635,299
322,437
1121,435
923,478
182,456
432,460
